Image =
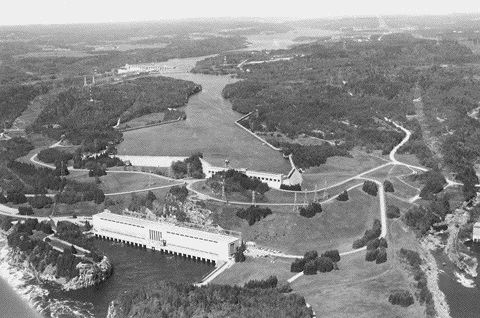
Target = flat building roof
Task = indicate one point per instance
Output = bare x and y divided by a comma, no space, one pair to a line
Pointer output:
165,226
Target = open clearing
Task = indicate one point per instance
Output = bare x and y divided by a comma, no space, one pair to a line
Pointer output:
337,169
360,288
337,226
122,182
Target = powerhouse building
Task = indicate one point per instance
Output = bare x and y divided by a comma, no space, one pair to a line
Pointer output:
185,240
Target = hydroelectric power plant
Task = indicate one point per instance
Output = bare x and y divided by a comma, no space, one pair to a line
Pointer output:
188,240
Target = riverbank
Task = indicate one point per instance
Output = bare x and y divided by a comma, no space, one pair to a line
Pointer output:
429,244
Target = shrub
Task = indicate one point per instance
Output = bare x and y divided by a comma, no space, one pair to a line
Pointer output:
343,196
371,255
253,214
401,297
270,282
284,288
388,186
370,187
393,212
381,255
312,209
294,187
3,199
324,264
310,268
297,265
333,255
25,210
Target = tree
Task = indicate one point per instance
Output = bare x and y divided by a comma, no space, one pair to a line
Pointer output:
343,196
16,197
3,199
388,186
383,243
373,244
393,212
25,210
324,264
73,250
311,210
310,267
297,265
88,226
333,255
371,255
370,187
401,297
310,255
381,255
239,255
434,183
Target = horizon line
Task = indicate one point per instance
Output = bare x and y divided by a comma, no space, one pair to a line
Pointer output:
283,19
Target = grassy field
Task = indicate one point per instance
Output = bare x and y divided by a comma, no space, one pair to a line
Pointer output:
337,226
255,268
337,169
209,128
122,182
80,208
361,288
143,120
277,196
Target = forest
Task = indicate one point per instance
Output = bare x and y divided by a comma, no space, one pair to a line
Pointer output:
169,299
87,117
15,98
336,91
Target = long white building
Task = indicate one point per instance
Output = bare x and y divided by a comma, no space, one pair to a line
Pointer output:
183,240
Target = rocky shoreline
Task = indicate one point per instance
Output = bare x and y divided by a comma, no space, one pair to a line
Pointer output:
90,274
429,244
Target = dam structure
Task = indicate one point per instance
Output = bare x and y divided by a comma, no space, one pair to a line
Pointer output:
187,240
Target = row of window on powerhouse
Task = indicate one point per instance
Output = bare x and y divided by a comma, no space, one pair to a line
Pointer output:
160,233
255,177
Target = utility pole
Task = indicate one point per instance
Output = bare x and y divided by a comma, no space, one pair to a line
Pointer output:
253,197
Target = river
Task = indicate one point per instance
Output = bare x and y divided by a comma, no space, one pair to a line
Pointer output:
210,125
462,298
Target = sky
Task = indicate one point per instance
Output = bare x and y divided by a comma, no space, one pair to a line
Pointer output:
14,12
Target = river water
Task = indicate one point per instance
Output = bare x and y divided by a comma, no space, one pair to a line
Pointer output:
462,293
133,268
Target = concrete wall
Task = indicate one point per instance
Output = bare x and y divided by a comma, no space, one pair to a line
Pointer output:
151,161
